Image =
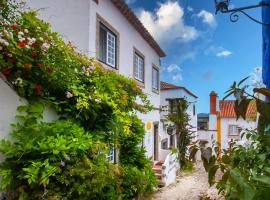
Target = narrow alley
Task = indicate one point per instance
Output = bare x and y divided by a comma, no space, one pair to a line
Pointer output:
189,186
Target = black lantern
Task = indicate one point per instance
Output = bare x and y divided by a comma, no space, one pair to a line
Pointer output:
223,7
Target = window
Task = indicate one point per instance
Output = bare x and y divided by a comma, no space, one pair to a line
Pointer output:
169,131
138,67
155,78
234,130
194,110
173,105
172,141
164,143
107,46
110,156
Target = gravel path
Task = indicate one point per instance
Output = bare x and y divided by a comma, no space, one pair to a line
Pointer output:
189,186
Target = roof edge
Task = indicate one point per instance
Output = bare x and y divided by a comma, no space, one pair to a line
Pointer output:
137,24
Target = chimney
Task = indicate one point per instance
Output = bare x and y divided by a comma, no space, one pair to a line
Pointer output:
213,103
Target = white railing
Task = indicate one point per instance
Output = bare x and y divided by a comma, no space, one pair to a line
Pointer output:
163,153
170,168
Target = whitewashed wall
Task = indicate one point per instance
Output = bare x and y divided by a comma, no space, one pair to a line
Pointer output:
9,101
76,21
225,122
178,93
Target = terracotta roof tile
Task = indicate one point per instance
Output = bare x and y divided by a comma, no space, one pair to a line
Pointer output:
227,109
136,23
168,86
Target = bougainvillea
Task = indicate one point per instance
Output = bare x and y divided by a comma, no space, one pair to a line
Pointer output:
40,66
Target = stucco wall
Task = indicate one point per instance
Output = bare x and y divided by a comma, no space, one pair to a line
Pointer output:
70,18
76,21
9,101
178,93
225,122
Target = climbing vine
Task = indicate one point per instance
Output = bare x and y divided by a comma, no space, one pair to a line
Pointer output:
184,135
66,158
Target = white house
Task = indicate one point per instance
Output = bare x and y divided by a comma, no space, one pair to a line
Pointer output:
221,124
109,31
168,161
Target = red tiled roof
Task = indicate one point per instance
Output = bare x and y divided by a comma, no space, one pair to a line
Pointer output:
168,86
227,109
136,23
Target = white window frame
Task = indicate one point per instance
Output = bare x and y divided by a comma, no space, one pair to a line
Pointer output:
111,59
110,156
235,130
139,69
155,80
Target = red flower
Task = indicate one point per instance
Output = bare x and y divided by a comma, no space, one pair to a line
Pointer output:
21,44
27,66
40,65
38,88
35,44
49,70
6,72
14,26
34,53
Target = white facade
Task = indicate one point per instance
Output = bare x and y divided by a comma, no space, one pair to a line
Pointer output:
77,21
176,94
241,123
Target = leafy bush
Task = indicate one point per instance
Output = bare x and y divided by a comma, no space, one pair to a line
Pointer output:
245,168
65,159
55,160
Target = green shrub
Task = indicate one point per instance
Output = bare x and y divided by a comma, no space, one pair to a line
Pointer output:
65,159
245,168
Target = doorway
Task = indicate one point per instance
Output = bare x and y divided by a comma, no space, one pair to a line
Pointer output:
156,146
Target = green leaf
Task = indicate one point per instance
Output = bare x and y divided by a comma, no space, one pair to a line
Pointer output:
263,179
242,81
226,159
228,95
212,174
241,109
247,191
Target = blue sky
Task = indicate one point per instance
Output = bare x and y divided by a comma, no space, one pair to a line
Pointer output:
205,52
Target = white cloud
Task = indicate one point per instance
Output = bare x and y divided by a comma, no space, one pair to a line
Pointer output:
167,24
175,72
217,51
190,9
224,53
177,77
130,1
173,67
207,18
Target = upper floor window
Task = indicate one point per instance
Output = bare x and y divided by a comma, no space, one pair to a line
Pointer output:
107,46
110,156
234,130
155,78
138,67
194,110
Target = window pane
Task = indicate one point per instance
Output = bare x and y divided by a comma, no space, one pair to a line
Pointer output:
155,81
138,67
102,44
111,49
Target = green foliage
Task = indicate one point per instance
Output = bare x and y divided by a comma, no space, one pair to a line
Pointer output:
65,159
245,168
56,159
180,118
